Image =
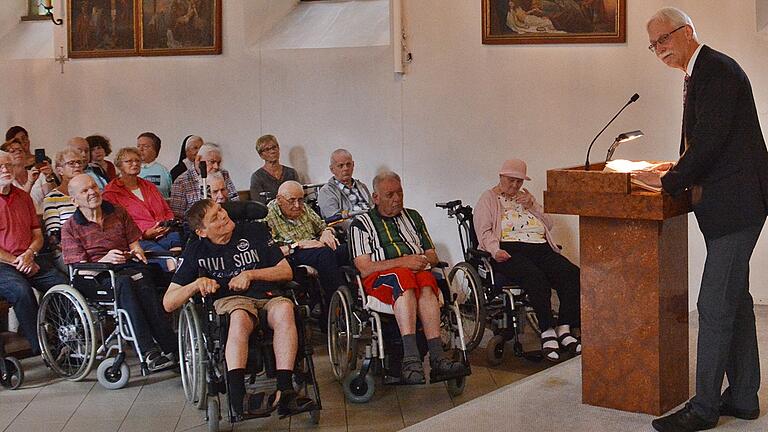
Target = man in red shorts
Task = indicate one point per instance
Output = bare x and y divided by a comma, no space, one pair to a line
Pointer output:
394,253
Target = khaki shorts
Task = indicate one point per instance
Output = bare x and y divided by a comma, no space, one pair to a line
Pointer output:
227,305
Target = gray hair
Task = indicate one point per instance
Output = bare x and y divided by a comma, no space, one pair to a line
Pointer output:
339,152
208,148
4,154
673,16
216,176
290,184
385,175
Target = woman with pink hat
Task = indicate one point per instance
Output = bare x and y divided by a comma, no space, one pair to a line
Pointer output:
512,227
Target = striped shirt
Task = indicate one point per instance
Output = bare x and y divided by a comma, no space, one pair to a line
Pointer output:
57,208
386,238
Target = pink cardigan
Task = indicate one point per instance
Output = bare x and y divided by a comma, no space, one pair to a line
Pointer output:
487,219
145,213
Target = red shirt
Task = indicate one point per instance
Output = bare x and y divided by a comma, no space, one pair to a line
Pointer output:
85,241
17,220
145,213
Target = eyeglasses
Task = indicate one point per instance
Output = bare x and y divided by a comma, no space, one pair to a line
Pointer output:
270,148
293,201
74,163
6,166
662,39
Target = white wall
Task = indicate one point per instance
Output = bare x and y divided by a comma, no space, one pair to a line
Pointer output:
446,127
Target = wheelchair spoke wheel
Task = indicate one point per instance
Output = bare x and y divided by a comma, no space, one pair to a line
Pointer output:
14,376
65,328
191,355
342,329
466,284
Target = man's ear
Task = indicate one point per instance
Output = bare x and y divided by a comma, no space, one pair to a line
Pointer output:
201,233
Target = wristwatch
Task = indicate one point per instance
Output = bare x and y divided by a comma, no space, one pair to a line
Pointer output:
292,247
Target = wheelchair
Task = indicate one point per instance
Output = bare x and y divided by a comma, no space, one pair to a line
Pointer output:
350,315
202,342
486,299
11,372
80,323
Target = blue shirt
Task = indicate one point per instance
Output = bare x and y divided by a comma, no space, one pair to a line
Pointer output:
158,175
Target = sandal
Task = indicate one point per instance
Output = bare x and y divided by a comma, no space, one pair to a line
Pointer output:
412,371
573,347
549,353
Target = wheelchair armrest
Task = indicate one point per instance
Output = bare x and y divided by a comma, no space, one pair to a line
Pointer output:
291,285
441,264
158,254
350,271
97,266
479,253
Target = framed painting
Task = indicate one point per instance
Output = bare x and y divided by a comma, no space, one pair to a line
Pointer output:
554,21
101,28
179,27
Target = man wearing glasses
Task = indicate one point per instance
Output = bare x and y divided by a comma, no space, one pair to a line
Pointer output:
304,238
724,163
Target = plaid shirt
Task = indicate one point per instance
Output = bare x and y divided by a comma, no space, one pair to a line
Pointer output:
186,191
285,231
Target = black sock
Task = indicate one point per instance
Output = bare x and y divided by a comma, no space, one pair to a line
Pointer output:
410,347
236,379
284,379
435,346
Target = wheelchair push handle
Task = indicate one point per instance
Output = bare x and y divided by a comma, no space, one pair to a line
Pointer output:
450,205
341,217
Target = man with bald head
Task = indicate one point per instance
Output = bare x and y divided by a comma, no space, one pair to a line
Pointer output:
101,232
21,238
81,144
343,194
304,238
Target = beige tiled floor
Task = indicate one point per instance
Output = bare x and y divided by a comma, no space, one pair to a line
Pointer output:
156,402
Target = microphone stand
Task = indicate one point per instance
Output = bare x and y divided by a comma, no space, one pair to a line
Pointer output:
632,99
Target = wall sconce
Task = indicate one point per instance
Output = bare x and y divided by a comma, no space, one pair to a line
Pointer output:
49,12
622,138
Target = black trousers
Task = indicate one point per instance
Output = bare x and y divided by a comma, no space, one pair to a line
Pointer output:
537,269
727,340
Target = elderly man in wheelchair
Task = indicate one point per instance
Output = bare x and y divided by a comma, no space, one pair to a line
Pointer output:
239,268
394,253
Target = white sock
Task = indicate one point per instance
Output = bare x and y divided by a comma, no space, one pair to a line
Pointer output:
550,332
563,329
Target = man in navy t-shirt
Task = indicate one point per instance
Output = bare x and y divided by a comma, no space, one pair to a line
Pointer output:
239,267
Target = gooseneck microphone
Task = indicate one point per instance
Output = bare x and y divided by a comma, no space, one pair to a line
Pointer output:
634,98
203,180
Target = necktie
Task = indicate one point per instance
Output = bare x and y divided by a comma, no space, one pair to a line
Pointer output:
683,140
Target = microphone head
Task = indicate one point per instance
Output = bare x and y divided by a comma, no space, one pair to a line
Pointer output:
634,98
203,169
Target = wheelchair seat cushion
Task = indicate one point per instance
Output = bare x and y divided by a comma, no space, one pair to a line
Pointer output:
229,304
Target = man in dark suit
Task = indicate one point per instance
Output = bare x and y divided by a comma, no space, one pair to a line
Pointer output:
724,164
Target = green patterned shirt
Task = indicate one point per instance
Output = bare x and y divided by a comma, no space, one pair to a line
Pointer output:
285,231
385,238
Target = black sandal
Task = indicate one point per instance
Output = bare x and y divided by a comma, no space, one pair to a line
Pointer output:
412,371
573,347
546,351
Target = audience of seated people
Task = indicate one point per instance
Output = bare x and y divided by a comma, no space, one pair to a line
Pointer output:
242,268
36,180
101,232
394,253
145,205
512,227
189,148
343,194
266,180
21,269
58,205
153,171
187,189
304,238
100,147
81,144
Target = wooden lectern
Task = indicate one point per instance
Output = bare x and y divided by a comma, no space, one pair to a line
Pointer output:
634,288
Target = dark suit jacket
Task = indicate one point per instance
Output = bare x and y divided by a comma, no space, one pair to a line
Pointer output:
726,157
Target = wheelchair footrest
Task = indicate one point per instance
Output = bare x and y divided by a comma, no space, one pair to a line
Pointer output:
434,378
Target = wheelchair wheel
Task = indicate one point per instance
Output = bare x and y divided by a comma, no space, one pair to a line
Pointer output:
212,414
65,328
359,389
191,355
111,378
14,377
494,352
455,386
342,329
466,283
